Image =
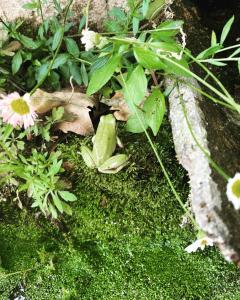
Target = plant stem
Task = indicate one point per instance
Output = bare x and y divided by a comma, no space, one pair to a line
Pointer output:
161,163
41,12
229,48
212,162
230,100
212,75
87,14
219,59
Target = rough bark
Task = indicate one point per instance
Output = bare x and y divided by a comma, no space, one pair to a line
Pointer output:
217,131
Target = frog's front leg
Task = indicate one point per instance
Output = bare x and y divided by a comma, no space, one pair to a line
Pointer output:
88,157
114,164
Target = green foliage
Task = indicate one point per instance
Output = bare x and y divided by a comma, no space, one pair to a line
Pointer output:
43,129
123,240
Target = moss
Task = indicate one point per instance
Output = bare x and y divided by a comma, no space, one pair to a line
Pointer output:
122,242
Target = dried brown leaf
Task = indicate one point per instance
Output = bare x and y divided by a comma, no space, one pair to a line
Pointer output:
76,109
119,106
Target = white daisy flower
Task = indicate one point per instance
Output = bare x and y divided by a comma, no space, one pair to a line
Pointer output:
233,190
17,110
90,38
200,243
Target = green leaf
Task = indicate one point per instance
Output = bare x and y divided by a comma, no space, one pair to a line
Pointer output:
67,209
75,72
238,64
135,88
171,25
57,202
135,25
16,62
102,76
236,52
55,168
209,52
72,47
134,125
226,30
57,113
57,38
216,63
177,67
52,211
154,108
31,5
42,72
145,7
167,29
28,42
60,60
213,39
82,24
154,8
67,196
147,58
84,74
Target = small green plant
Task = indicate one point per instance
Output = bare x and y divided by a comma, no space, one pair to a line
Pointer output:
132,57
37,174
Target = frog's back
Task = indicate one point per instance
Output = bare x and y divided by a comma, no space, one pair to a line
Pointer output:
105,139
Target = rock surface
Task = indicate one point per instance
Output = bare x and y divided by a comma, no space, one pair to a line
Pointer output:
13,9
217,131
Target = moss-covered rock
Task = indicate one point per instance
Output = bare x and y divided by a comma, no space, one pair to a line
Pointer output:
122,242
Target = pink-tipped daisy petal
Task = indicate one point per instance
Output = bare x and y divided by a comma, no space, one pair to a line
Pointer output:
17,110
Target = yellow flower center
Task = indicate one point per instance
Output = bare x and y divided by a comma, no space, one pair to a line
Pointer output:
204,243
236,188
20,106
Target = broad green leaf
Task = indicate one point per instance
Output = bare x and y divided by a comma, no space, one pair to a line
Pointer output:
135,88
28,42
154,8
166,47
154,108
147,58
67,196
171,25
16,62
57,38
134,125
167,29
75,72
42,72
102,76
226,30
60,60
72,47
177,67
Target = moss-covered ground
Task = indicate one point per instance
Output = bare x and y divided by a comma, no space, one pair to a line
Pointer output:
123,240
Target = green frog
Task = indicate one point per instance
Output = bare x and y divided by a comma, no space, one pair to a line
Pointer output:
104,145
